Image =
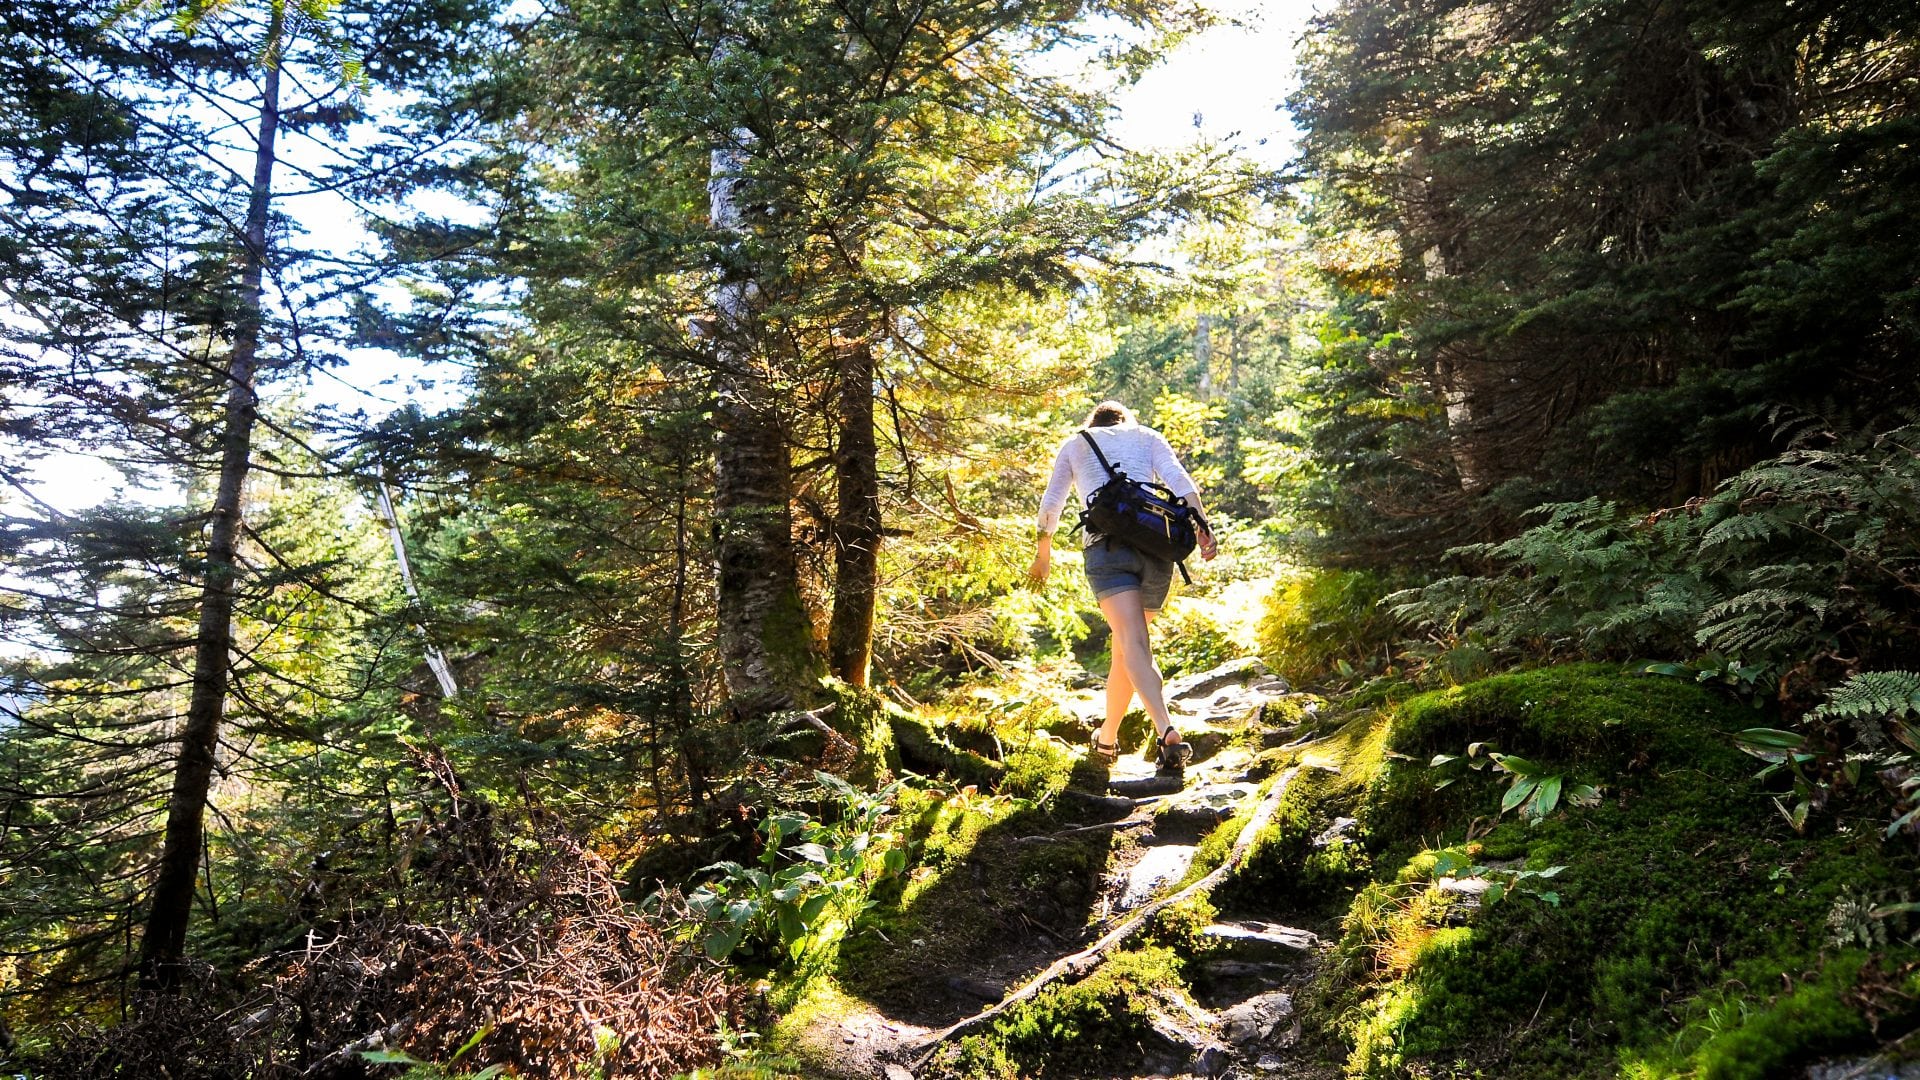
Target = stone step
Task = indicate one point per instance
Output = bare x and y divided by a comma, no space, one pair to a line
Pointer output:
1159,867
1135,787
1197,811
1254,1021
1247,669
1251,940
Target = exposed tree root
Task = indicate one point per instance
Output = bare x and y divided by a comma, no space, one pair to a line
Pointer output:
1080,964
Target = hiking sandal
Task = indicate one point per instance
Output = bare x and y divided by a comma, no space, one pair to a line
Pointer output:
1174,755
1104,753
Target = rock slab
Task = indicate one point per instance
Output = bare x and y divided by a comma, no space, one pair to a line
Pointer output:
1159,867
1253,1021
1259,941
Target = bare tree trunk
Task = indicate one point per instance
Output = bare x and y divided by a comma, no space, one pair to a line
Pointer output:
164,944
1470,388
693,756
765,638
856,520
436,660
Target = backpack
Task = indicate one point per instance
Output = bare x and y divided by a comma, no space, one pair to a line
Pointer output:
1146,517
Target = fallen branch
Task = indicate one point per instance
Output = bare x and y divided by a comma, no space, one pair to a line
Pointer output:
1082,963
1063,834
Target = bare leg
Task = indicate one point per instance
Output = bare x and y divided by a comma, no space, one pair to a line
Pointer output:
1133,654
1119,691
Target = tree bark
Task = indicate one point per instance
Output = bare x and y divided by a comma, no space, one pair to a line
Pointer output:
856,521
765,638
163,945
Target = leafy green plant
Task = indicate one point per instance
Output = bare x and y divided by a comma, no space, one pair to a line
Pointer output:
808,870
1792,586
1503,881
1327,622
426,1070
1531,789
1785,750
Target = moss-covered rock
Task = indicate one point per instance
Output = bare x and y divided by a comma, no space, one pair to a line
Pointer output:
1592,723
1683,894
921,747
1073,1029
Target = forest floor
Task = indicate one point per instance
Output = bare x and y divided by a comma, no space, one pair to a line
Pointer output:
1316,898
1135,833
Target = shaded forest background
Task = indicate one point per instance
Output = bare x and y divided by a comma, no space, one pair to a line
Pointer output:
1576,331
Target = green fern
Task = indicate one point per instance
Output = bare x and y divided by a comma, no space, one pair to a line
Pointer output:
1891,695
1742,528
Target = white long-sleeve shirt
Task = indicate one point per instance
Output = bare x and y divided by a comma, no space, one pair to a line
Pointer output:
1140,452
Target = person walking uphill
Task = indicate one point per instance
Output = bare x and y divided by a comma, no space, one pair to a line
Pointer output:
1131,585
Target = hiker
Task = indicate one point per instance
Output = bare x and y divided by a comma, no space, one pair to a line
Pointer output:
1130,585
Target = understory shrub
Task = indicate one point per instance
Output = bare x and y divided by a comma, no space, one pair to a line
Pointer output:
1327,622
1795,582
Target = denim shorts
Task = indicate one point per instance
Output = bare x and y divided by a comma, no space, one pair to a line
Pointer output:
1116,568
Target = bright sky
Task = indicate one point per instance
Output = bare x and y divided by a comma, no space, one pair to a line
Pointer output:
1227,84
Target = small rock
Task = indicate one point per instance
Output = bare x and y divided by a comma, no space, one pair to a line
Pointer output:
984,989
896,1072
1212,1061
1339,830
1158,867
1473,887
1875,1068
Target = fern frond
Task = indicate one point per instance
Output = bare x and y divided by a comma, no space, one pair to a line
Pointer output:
1766,600
1741,528
1893,694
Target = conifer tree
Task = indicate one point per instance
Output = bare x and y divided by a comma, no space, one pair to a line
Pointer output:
160,290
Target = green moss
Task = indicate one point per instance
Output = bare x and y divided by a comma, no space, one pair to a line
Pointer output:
1038,770
1684,895
866,719
1284,869
1600,725
1069,1029
922,748
1178,926
1729,1036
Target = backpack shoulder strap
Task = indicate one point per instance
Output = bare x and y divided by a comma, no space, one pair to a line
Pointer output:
1091,441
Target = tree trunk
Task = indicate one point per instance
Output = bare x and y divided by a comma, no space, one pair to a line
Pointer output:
164,944
765,638
856,520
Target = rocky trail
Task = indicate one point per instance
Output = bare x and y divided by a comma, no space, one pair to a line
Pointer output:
1239,1021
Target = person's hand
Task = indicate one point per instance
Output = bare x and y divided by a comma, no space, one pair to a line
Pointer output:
1208,546
1042,563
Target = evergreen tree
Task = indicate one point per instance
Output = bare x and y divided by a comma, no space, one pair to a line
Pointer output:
159,292
1577,244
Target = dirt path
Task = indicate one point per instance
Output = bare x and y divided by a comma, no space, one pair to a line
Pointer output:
1141,830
